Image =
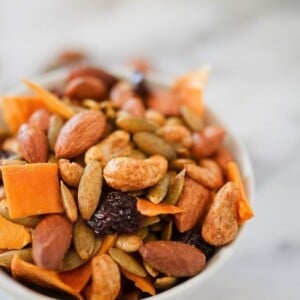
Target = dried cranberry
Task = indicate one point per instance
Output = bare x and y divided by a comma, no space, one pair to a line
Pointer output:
117,212
194,238
139,83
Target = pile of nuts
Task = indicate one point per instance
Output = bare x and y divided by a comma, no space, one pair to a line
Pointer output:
144,198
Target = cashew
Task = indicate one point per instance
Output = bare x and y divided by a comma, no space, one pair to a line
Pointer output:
70,172
208,173
130,174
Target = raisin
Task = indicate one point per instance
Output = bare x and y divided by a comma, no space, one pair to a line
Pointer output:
116,213
194,238
139,83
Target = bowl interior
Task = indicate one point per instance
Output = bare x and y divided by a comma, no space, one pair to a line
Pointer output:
56,79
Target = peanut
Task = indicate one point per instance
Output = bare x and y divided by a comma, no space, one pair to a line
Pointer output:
130,174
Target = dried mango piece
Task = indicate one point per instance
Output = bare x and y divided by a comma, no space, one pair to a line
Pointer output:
108,242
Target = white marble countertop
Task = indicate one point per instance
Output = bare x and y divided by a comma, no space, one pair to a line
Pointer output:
254,50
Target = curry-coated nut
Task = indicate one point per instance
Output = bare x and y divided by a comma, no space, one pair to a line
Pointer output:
155,117
135,107
193,200
85,87
131,174
70,172
221,225
207,142
223,157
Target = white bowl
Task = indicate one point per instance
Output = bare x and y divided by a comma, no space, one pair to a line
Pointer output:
192,285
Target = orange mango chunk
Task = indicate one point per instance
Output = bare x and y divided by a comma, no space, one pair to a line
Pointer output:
141,283
245,211
108,242
17,110
32,189
77,278
27,272
50,101
13,236
147,208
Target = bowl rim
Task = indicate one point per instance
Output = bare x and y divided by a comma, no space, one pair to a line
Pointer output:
232,141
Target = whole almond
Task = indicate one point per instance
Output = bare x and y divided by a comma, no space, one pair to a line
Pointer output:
33,144
221,226
193,200
173,258
79,133
85,87
40,119
51,240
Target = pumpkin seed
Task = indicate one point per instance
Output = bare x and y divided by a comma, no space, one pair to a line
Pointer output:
164,283
152,144
191,118
91,104
143,232
83,239
151,237
6,257
166,234
127,262
152,272
129,242
55,125
175,189
68,202
178,164
174,121
183,152
134,124
89,189
155,117
147,221
29,222
52,159
158,192
157,227
138,193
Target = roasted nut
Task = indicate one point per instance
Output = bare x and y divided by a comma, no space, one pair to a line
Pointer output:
70,172
221,226
193,200
121,92
135,107
129,242
130,174
40,119
223,157
155,117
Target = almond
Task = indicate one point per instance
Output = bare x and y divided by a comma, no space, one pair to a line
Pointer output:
51,240
33,144
40,119
221,225
173,258
193,201
79,133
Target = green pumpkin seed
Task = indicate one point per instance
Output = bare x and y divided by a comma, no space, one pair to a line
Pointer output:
55,125
151,237
166,234
135,124
68,203
152,272
91,104
83,239
175,189
143,232
178,164
152,144
138,193
158,192
165,283
156,227
29,222
129,242
192,119
127,262
147,221
89,189
24,254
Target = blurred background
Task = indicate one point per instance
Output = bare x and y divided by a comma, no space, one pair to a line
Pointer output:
253,48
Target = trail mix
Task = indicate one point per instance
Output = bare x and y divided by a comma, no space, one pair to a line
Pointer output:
113,188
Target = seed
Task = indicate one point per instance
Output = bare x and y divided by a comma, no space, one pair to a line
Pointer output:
165,283
68,202
166,234
191,118
6,257
174,121
52,159
55,125
150,269
157,227
175,188
143,232
178,164
152,144
147,221
83,239
89,189
91,104
127,262
135,124
151,237
129,242
183,152
158,192
155,117
138,154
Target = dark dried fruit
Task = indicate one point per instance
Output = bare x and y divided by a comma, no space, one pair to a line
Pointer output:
139,84
194,238
5,154
117,212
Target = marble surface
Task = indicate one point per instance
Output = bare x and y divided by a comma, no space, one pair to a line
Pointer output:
254,50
